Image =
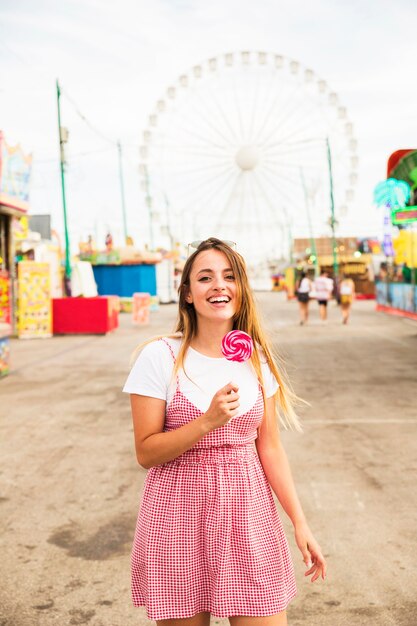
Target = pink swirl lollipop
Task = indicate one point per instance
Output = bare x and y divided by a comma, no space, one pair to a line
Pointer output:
237,346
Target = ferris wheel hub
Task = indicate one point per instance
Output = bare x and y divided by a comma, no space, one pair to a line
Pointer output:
247,157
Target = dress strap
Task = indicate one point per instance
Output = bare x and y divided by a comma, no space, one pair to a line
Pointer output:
173,356
170,348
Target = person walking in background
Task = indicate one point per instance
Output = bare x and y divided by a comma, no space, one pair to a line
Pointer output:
109,242
209,539
346,294
323,288
303,288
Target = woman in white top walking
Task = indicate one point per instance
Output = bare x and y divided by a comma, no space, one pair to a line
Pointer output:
304,286
347,294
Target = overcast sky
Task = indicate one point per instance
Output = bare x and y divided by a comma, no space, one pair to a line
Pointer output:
115,59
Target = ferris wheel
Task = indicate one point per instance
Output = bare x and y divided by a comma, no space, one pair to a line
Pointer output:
238,149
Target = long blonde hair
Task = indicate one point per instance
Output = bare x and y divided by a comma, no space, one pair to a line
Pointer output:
246,318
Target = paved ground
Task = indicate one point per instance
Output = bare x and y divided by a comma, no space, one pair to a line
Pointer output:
70,485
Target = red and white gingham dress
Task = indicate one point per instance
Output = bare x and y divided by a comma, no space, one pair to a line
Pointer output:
208,535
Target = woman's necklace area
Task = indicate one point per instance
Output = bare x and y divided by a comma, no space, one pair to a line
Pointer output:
207,352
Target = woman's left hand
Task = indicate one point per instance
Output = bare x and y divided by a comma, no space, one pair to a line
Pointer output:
311,551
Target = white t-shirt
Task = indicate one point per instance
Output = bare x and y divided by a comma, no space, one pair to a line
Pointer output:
151,375
305,285
345,288
323,286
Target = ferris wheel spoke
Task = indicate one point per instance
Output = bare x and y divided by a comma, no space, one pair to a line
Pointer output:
290,128
288,198
210,201
223,116
293,161
283,132
339,154
224,210
203,169
240,211
293,156
282,145
291,176
287,202
202,185
269,204
304,130
254,110
275,162
239,112
191,150
258,219
255,185
289,138
334,130
207,120
297,111
266,120
205,140
203,157
285,104
268,100
219,189
206,191
289,182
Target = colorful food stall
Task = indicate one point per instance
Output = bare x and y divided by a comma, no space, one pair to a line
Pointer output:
397,195
5,322
123,272
15,171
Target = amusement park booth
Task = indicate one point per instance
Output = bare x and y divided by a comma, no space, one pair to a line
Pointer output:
125,280
397,280
15,170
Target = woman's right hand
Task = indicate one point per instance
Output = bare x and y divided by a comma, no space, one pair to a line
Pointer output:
223,407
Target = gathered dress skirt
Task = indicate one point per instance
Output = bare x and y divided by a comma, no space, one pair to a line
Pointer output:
209,538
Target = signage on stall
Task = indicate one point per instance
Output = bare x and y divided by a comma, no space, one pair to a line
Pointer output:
35,305
406,215
354,268
15,172
5,298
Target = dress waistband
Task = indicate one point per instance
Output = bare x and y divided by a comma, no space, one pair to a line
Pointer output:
216,455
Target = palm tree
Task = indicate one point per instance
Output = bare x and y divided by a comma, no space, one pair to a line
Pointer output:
390,194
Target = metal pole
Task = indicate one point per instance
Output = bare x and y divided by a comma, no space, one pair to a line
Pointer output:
122,189
171,241
62,140
332,218
310,226
149,205
291,243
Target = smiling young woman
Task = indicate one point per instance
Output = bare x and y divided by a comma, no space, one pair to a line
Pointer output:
209,540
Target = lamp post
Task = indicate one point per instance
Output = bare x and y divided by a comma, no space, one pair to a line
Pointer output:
149,205
332,220
122,189
312,240
63,138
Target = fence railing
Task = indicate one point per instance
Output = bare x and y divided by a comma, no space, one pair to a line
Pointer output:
402,296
